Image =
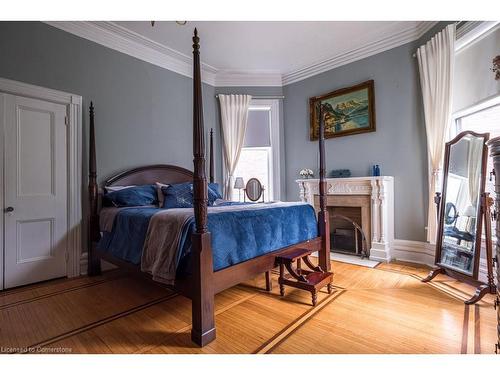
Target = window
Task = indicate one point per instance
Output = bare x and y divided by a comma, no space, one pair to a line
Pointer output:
259,157
483,118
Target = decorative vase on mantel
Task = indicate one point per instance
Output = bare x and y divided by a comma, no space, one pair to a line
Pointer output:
306,173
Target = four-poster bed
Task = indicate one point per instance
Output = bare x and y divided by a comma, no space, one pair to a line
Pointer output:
204,281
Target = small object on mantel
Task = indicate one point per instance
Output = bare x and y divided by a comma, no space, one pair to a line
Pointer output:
376,170
306,173
340,173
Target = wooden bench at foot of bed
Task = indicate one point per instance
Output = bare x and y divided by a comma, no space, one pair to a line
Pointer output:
311,280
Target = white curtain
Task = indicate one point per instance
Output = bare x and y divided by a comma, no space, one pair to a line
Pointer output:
436,63
234,116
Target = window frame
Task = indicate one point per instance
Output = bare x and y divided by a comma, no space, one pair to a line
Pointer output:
456,118
273,106
456,128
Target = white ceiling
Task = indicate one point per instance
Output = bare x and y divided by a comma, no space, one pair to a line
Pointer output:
266,46
252,53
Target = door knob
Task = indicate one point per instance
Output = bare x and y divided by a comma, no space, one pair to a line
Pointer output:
9,209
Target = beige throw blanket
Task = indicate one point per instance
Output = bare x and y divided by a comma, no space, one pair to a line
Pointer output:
159,253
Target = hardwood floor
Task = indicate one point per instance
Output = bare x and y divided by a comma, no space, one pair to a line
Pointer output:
382,310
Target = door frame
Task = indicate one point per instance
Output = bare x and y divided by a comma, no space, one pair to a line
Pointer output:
73,105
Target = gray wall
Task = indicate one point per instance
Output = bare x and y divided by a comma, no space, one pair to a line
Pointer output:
398,145
143,112
474,81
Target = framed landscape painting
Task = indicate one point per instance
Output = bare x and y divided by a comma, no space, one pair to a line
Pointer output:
350,110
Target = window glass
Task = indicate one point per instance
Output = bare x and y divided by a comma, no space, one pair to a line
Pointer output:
256,156
254,162
484,121
258,132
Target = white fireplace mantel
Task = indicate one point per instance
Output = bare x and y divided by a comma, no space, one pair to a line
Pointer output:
381,190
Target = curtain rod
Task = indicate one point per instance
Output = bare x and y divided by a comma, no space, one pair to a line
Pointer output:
264,97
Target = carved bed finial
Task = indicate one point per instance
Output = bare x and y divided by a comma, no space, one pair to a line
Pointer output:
211,161
94,265
200,188
202,288
323,216
92,162
196,41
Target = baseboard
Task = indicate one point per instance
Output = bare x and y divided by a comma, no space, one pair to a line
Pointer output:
413,251
423,253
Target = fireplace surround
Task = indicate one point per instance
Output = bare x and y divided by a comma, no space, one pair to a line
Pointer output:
373,196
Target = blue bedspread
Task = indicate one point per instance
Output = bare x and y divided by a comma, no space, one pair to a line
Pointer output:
237,236
126,239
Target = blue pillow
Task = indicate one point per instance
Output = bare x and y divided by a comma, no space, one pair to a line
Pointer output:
181,195
213,189
178,195
144,195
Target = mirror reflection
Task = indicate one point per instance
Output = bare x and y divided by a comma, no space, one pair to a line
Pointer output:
461,207
254,189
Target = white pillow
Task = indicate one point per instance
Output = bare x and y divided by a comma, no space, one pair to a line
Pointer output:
219,201
109,189
161,197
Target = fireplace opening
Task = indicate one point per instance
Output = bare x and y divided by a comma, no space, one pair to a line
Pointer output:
345,230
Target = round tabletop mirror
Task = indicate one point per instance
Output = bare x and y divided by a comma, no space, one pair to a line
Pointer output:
254,189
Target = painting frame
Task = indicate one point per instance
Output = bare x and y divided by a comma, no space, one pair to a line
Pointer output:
314,120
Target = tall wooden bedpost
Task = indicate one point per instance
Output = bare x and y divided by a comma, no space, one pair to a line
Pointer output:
323,219
94,263
211,168
203,330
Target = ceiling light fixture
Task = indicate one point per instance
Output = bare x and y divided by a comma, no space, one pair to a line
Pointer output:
181,23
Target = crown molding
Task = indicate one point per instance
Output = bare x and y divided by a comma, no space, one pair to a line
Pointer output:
249,78
123,40
386,43
116,37
126,41
473,31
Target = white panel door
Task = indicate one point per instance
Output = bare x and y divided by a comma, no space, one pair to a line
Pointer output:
35,196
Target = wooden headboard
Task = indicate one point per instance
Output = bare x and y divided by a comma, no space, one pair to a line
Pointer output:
164,173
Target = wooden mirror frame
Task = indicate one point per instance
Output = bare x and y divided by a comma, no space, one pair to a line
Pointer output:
480,214
261,195
441,201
